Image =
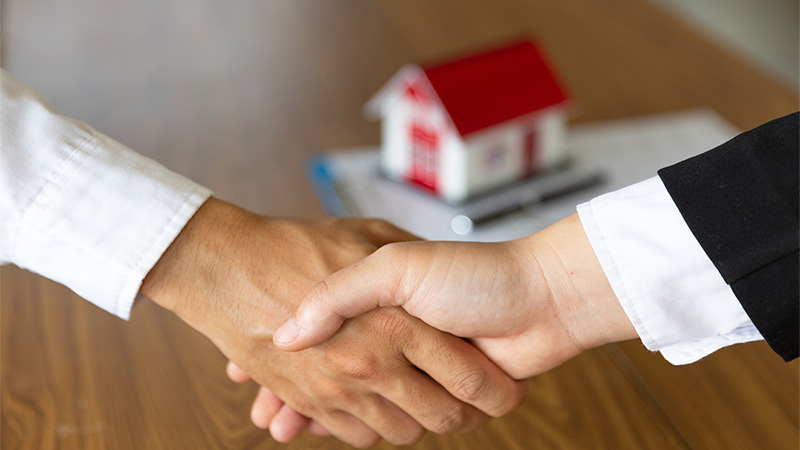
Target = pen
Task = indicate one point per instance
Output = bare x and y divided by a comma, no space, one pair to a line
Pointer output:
536,190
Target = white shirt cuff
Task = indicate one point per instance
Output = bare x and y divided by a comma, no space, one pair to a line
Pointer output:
667,285
80,208
103,221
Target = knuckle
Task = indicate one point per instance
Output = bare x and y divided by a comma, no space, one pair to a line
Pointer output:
359,368
334,393
319,293
450,420
342,364
469,385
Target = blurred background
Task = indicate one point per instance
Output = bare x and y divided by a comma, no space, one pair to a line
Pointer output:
763,32
237,95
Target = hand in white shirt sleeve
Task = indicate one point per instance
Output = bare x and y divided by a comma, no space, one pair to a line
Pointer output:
668,287
80,208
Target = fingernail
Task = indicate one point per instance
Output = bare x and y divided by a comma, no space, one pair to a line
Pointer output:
287,332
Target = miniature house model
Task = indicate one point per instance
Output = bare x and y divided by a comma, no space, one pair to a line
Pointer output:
468,126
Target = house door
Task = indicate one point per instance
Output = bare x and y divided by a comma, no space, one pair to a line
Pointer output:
528,152
424,153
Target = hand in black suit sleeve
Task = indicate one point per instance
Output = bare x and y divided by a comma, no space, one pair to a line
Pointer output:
740,201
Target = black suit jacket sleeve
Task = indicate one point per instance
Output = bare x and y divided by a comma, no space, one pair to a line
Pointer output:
740,201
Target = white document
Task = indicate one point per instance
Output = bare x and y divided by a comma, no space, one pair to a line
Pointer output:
623,151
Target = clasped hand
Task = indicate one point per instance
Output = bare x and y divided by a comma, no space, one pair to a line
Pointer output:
235,277
529,304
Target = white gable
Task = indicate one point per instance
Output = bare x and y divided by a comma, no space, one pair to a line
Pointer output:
388,95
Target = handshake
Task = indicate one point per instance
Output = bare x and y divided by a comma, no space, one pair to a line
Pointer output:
357,329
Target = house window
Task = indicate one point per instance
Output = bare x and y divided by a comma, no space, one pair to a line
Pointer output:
494,158
424,148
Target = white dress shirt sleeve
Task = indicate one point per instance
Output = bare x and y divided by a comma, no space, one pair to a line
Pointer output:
80,208
667,285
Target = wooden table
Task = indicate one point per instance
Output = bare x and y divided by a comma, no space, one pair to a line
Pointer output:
237,95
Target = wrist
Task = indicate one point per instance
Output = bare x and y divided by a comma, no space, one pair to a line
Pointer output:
232,272
582,298
194,256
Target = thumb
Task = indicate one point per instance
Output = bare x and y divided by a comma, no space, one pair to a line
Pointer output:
359,288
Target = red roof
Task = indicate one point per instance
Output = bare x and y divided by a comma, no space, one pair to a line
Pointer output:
492,87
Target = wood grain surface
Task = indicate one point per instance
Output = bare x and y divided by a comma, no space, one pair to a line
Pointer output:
236,95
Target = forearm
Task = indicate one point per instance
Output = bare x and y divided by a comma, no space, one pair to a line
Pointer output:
214,254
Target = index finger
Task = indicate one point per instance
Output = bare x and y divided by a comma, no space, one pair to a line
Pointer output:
464,371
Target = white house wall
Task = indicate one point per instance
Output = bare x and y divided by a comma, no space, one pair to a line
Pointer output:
496,156
453,169
395,142
552,137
